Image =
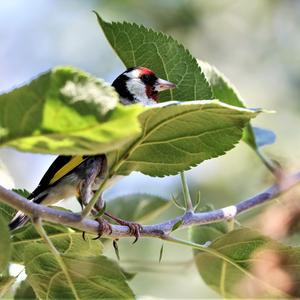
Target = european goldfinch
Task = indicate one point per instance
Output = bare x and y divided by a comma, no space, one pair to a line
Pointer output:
81,175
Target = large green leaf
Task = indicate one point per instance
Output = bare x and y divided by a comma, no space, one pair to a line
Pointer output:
75,278
5,284
223,90
177,137
65,240
5,248
140,46
137,207
66,111
232,262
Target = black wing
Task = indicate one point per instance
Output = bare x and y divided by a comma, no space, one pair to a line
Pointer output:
61,166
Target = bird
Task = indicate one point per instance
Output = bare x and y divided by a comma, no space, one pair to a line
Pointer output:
81,175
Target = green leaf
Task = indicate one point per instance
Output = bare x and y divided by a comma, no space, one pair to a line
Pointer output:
224,91
25,291
82,278
5,248
5,284
137,207
231,262
176,138
66,111
140,46
66,240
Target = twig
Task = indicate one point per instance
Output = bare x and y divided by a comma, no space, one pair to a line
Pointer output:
186,194
161,230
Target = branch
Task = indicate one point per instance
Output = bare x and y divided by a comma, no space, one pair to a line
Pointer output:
161,230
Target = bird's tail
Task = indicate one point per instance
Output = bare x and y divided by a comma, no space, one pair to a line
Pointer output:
18,220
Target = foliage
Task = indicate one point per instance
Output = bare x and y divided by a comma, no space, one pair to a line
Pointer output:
84,108
237,260
77,279
67,111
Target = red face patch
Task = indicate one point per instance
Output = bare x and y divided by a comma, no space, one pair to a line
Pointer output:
151,93
144,70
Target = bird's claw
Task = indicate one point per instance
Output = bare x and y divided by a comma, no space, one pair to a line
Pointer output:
104,227
134,228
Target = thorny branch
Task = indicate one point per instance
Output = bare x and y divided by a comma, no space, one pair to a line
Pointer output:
161,230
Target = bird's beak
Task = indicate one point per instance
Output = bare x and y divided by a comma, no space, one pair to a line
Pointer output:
162,85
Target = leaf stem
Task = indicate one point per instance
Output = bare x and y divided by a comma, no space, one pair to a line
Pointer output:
273,167
40,229
186,193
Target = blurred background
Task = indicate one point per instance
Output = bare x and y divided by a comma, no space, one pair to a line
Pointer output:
256,44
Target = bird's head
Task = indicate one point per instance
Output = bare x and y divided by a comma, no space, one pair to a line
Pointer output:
140,85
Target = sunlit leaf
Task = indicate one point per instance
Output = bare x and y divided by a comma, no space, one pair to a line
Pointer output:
66,111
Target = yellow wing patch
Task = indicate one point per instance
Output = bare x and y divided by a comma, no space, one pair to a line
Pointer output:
73,163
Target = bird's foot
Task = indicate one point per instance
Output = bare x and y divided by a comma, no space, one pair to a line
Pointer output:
104,227
134,228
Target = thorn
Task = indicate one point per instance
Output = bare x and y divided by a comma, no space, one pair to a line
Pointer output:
161,252
116,247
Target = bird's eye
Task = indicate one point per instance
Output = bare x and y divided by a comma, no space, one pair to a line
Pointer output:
148,79
145,77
